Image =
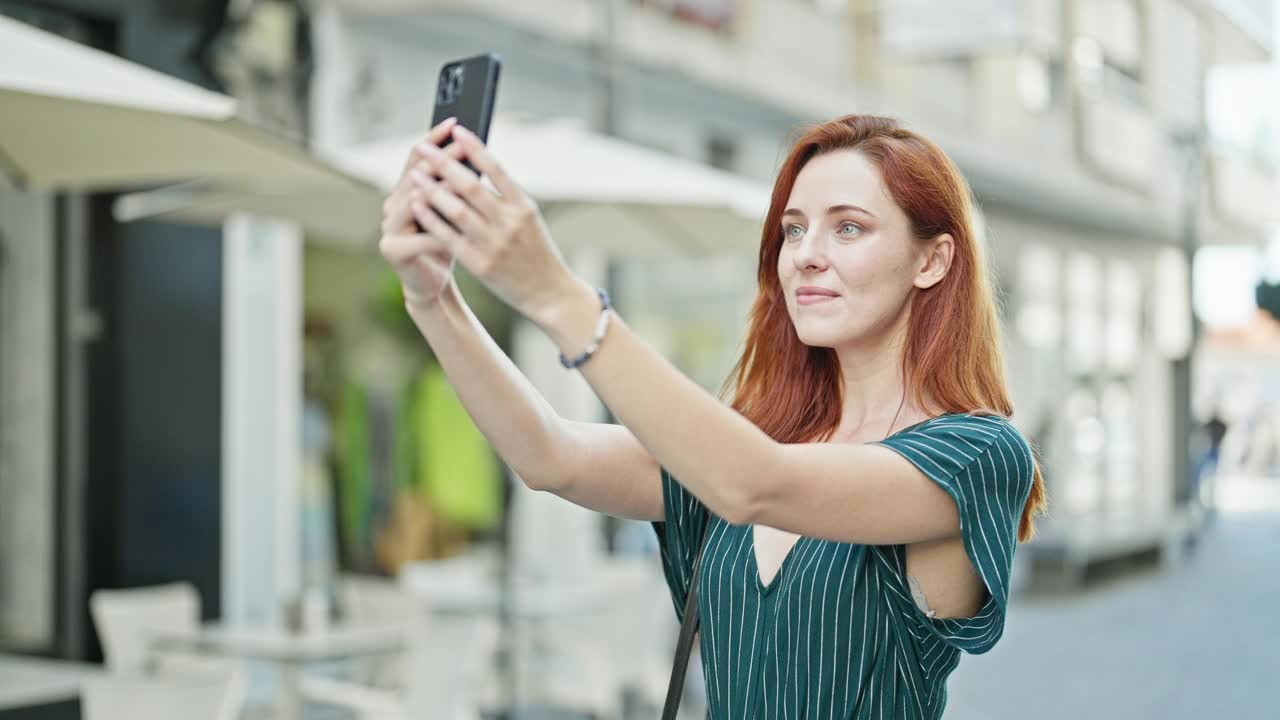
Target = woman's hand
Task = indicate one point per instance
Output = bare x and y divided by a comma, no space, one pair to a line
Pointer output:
423,262
501,238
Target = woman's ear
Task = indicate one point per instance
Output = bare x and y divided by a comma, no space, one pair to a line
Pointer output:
936,261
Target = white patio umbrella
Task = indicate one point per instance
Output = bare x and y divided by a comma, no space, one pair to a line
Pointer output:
76,118
597,192
560,161
603,192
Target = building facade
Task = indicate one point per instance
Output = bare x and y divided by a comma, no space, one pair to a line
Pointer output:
1080,126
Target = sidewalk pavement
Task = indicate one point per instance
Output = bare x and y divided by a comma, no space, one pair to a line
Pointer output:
1198,640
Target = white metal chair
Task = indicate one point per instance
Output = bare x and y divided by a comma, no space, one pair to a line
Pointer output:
642,630
369,600
446,663
163,696
125,620
584,660
465,583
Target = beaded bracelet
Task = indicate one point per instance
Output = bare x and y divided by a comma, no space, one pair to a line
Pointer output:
602,326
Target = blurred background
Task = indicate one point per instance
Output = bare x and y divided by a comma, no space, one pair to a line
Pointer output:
234,482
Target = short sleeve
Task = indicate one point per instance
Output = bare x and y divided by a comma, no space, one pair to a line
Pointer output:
679,536
986,466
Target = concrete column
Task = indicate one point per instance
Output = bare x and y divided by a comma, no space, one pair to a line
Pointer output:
262,408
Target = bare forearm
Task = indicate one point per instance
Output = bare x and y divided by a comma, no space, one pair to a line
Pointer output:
518,422
715,452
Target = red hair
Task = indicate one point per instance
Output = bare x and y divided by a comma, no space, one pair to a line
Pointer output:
951,359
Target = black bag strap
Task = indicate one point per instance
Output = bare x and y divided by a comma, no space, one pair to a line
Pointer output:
684,646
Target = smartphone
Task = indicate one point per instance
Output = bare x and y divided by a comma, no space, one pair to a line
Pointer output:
466,89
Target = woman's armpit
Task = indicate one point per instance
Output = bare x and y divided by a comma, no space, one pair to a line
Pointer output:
917,594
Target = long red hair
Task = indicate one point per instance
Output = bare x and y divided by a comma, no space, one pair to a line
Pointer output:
951,360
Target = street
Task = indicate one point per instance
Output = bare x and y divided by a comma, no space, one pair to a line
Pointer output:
1196,641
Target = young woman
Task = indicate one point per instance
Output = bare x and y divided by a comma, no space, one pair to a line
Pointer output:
863,495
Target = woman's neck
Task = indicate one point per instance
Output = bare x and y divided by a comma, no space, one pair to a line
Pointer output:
876,399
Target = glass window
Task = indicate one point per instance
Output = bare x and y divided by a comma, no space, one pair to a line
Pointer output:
1084,324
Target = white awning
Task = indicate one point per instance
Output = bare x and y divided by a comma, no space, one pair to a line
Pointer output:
597,192
75,118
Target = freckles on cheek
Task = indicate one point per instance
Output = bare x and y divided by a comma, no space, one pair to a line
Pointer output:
873,291
875,277
866,281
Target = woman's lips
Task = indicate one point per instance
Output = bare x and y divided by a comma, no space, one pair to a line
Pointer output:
814,294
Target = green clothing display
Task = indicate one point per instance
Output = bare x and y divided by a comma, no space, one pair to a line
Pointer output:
420,438
457,469
352,420
836,633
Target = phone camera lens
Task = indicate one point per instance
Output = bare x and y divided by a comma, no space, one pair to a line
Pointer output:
450,84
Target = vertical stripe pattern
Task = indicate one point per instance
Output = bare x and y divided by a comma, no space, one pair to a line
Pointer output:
836,633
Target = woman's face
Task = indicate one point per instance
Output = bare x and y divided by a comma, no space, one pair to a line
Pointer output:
843,234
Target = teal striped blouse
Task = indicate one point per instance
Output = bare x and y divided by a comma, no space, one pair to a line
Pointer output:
836,633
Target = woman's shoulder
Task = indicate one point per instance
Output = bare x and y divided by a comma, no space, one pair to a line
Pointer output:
971,427
976,419
953,445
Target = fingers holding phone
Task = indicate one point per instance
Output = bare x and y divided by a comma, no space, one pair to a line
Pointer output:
423,263
396,216
465,94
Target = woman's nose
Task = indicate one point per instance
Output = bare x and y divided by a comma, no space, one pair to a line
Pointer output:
810,253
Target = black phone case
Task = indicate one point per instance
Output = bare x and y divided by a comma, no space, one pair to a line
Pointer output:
466,89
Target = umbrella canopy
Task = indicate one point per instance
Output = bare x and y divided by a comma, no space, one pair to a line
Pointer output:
559,160
646,202
76,118
604,192
332,214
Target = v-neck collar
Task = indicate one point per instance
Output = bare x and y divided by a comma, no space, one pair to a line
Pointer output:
769,587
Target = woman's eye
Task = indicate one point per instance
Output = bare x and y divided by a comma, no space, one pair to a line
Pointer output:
794,232
849,228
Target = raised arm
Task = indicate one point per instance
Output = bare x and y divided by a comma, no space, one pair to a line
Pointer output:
599,466
596,465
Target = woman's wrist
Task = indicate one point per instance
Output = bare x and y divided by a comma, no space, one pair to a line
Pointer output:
420,305
570,319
